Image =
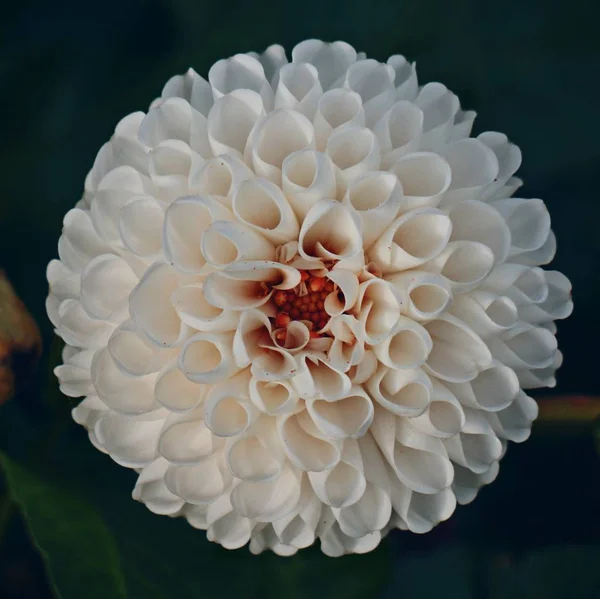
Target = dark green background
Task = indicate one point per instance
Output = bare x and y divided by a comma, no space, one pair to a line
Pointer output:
70,70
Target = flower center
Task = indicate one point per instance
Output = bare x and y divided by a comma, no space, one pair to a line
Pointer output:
305,302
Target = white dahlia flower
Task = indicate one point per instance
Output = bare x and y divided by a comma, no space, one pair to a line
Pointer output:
301,301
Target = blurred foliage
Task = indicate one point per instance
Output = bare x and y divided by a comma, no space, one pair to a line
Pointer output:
70,70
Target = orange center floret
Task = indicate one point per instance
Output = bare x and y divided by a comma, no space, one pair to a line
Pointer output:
305,302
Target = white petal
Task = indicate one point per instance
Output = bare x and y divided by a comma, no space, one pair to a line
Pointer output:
274,397
355,151
151,490
106,284
411,240
240,72
424,295
120,392
330,231
402,392
193,309
230,121
407,346
331,60
458,354
424,177
299,88
275,137
476,221
349,416
336,107
528,221
227,408
373,81
305,446
399,131
486,313
465,264
307,176
151,308
207,357
345,483
140,225
185,439
186,219
474,166
315,378
175,391
261,206
377,198
134,353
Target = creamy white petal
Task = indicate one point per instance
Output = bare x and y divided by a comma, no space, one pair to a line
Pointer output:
175,391
399,131
227,408
299,88
377,198
345,483
528,221
479,222
336,107
474,166
185,439
407,346
316,378
374,82
349,416
261,206
274,397
305,446
330,231
493,389
208,357
411,240
464,264
439,106
401,392
355,151
225,526
151,490
134,353
444,416
486,313
130,440
331,60
231,119
424,177
199,484
122,393
458,354
106,284
405,79
186,219
191,87
196,312
306,177
240,72
525,346
273,138
424,295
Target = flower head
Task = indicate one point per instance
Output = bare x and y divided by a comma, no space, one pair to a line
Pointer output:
301,301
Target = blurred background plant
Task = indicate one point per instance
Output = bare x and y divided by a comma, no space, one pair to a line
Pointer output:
68,72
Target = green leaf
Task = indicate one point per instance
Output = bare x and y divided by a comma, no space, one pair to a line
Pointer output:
80,554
